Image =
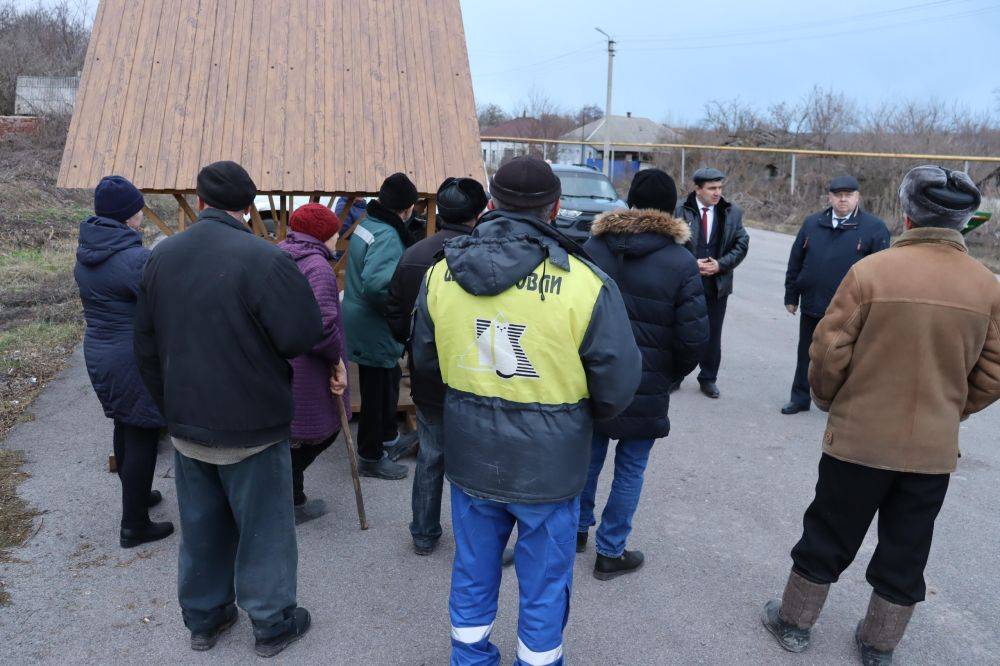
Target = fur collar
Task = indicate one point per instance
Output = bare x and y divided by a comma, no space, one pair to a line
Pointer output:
638,221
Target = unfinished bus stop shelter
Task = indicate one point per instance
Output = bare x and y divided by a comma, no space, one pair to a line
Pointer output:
315,98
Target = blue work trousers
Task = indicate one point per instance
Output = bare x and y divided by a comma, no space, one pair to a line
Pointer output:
543,559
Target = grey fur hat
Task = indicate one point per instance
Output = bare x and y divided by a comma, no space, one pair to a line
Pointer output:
932,196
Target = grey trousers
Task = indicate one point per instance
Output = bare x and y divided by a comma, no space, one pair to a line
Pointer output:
237,541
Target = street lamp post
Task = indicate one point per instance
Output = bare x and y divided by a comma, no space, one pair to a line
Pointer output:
607,105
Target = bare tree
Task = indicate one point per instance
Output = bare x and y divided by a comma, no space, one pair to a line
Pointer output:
45,40
490,115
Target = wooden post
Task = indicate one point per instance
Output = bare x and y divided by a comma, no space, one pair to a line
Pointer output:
431,216
270,198
181,219
186,207
282,222
148,212
256,222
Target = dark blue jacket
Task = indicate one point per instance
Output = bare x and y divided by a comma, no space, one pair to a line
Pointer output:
109,262
643,251
822,255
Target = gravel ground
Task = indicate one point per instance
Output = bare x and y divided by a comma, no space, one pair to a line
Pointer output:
721,508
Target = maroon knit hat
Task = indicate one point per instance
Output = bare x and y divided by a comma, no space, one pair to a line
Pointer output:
316,220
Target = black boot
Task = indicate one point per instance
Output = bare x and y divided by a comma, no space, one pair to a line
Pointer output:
709,388
382,469
581,541
794,408
881,630
310,510
271,646
403,446
507,557
206,640
155,497
790,620
133,536
606,568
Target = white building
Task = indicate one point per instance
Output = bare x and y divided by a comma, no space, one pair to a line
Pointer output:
622,130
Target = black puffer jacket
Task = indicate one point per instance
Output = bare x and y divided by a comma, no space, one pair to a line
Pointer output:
643,251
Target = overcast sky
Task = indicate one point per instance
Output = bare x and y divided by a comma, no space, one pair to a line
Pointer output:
674,56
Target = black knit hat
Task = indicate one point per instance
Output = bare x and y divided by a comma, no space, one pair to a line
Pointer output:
226,185
117,198
397,192
460,200
526,182
653,188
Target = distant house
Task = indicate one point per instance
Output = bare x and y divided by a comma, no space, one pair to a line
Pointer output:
39,95
496,153
622,130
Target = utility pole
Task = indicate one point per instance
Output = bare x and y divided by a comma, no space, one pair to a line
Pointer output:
607,105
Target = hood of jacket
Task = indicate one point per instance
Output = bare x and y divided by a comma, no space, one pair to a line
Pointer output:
298,246
504,248
101,237
638,232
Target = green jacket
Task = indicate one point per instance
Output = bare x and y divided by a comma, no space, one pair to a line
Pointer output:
372,255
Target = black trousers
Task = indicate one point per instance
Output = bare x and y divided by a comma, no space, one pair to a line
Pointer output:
847,497
800,385
304,452
712,357
379,400
135,456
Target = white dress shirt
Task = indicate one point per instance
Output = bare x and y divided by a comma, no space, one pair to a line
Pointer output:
710,216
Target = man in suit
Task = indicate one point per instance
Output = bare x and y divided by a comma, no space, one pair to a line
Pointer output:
719,243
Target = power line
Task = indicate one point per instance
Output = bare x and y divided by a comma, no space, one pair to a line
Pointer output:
561,56
781,27
816,35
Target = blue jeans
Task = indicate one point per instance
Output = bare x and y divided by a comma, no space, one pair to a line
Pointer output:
428,482
631,456
543,558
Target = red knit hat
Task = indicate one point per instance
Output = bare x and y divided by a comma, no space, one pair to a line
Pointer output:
316,220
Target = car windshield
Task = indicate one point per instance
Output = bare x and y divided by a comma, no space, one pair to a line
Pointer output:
587,186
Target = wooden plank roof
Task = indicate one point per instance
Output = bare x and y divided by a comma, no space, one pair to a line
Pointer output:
309,95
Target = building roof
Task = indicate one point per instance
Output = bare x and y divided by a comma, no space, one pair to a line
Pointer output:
624,129
309,95
515,128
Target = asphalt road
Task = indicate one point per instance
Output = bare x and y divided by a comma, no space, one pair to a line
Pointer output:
721,508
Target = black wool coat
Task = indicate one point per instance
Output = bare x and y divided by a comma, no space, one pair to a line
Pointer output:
219,314
643,251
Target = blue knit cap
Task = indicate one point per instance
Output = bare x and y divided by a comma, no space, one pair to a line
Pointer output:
116,198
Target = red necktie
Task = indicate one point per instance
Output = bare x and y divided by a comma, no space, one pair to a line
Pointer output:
704,224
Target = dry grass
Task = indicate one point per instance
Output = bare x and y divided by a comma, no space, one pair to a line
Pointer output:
16,517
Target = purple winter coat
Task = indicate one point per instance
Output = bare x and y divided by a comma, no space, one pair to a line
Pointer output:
316,415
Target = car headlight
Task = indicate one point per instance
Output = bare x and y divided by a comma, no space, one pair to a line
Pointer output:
569,214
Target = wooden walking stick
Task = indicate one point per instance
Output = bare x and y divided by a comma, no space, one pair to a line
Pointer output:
345,425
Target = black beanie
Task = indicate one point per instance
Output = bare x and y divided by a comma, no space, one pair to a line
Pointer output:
397,192
117,198
526,182
653,188
226,185
460,200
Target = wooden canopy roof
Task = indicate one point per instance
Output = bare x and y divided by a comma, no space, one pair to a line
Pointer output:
308,95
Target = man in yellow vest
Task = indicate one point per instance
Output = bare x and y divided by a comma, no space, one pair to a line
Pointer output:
533,343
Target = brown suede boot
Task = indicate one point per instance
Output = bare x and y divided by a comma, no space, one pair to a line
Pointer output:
881,630
791,619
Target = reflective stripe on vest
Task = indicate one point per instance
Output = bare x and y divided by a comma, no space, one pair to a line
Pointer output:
516,345
533,658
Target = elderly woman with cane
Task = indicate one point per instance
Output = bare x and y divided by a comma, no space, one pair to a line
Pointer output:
319,377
